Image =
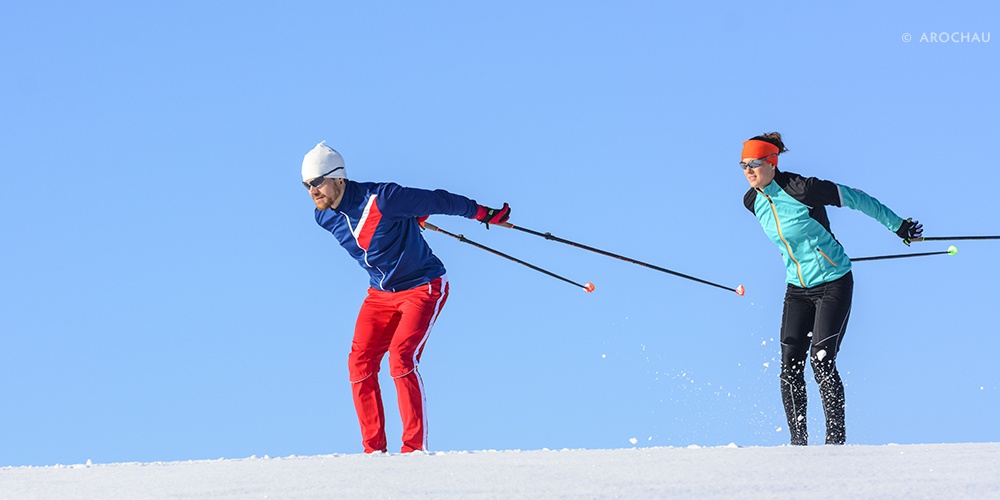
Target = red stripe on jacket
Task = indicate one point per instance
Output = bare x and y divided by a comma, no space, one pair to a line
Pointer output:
368,223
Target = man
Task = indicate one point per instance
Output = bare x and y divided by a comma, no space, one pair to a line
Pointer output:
379,225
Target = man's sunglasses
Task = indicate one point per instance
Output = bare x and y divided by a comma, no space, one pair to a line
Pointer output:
317,182
755,163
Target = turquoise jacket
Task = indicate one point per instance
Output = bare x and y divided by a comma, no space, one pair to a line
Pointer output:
792,211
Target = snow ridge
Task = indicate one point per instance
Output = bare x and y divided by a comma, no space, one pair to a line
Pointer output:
855,471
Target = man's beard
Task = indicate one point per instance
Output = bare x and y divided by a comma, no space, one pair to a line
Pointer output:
323,202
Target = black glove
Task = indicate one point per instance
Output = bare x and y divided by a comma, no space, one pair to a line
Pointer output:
910,230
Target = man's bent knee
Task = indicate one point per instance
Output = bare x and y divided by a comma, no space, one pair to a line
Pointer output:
360,367
402,369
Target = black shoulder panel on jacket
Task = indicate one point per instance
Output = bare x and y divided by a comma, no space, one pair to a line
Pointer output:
811,192
793,184
749,199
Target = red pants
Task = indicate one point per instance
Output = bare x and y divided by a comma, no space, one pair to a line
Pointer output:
398,323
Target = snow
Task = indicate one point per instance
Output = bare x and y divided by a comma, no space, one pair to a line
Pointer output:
852,471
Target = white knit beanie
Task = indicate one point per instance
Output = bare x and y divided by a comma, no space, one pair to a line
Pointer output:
323,161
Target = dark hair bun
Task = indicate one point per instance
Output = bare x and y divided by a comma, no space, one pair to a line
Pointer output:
773,138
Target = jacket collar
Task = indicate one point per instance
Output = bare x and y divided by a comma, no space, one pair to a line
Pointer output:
352,197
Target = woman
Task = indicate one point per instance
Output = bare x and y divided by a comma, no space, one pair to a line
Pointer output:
791,210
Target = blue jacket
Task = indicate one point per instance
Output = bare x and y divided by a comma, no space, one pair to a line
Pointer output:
792,211
376,223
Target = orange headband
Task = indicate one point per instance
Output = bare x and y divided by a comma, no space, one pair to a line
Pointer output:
760,149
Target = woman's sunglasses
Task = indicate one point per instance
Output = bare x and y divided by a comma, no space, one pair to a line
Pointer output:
755,163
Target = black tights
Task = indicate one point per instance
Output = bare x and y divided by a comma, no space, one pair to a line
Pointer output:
822,310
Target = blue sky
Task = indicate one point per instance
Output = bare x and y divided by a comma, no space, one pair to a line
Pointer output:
166,294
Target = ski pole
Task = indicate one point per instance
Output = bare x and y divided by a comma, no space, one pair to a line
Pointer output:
950,238
589,287
952,250
738,290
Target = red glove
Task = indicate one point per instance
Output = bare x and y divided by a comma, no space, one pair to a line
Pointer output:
488,215
422,219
